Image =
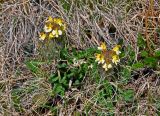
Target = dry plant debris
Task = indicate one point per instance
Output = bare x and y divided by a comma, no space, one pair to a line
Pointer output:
89,22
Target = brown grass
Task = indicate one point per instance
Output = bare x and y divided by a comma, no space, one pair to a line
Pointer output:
89,22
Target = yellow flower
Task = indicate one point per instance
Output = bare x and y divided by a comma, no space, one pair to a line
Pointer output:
58,21
51,36
107,66
100,58
48,28
102,47
116,49
50,20
42,36
64,26
115,59
57,32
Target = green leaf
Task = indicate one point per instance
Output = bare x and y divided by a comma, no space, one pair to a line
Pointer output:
157,53
144,53
64,54
108,88
53,79
141,43
63,80
137,65
66,6
131,55
63,65
150,61
120,42
70,75
59,89
65,83
37,63
122,54
77,82
109,104
126,74
128,95
32,67
15,94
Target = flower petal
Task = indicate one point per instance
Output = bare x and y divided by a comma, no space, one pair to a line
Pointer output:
51,35
42,36
47,28
54,32
59,32
109,66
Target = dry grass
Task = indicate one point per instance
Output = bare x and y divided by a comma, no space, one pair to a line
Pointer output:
89,22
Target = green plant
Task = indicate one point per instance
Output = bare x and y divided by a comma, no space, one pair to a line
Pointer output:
128,95
144,58
71,69
108,57
16,99
35,67
66,5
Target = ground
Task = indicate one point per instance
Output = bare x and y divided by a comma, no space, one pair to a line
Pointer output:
60,76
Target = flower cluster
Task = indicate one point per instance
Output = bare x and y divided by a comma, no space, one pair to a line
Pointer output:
53,28
108,57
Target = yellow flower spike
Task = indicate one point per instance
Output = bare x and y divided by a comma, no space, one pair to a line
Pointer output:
102,46
48,28
116,49
42,36
115,59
